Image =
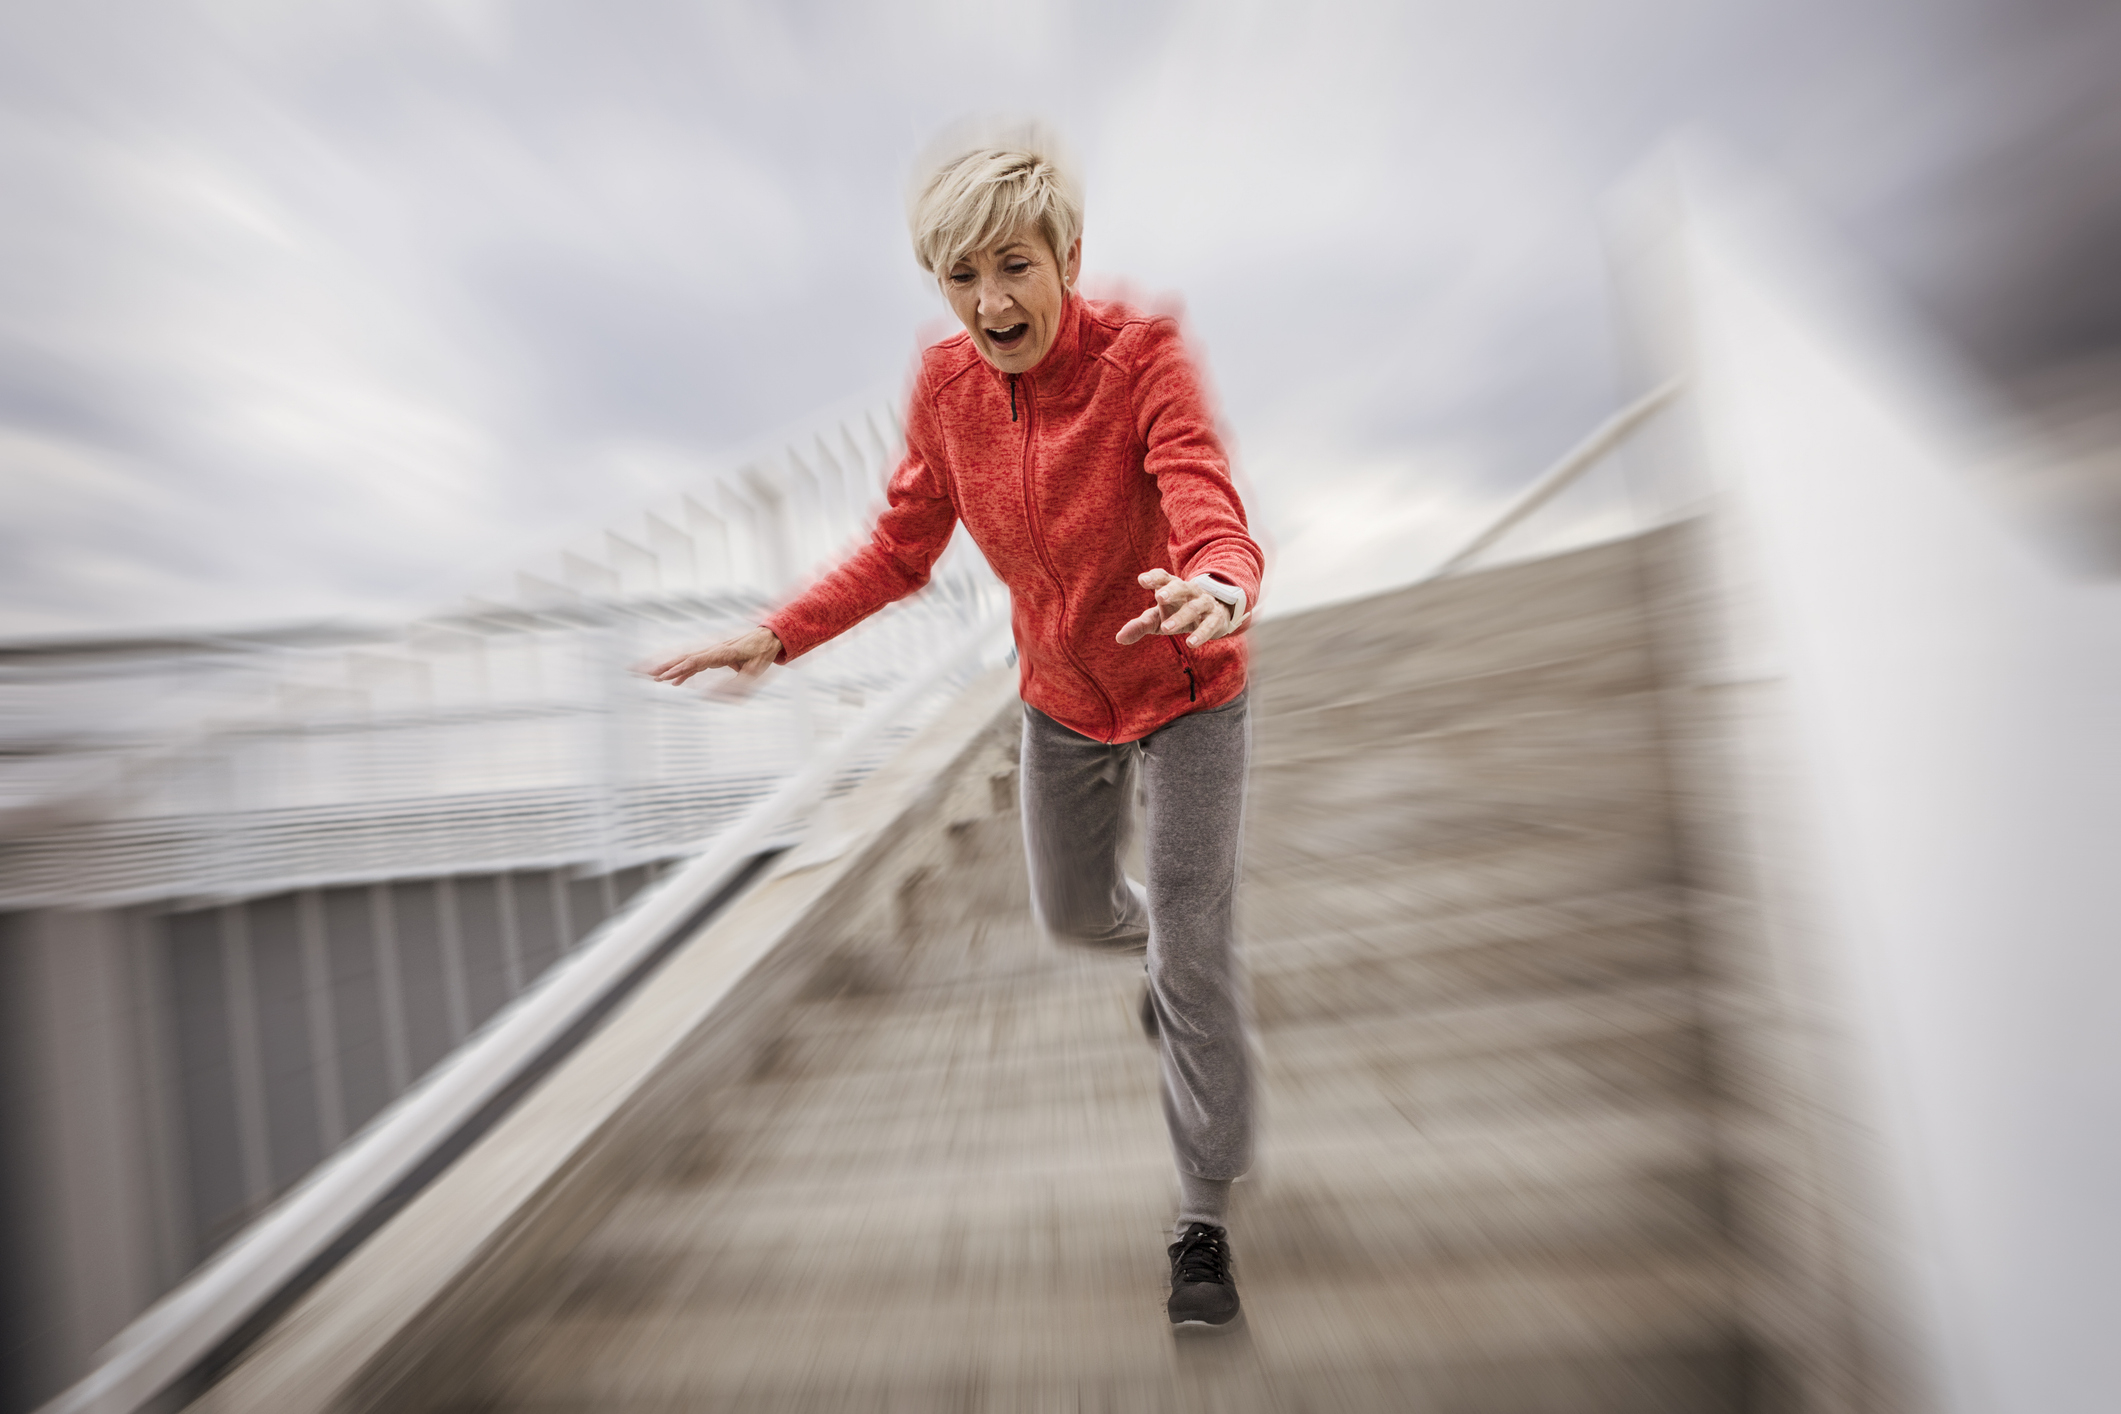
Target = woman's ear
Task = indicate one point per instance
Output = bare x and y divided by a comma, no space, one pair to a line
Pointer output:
1072,268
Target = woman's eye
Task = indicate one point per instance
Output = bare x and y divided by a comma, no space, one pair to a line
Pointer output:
1019,268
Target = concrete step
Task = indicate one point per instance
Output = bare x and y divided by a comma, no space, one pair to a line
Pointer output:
1018,1333
1036,1051
1013,955
1226,1373
1568,720
1537,863
905,1241
1575,916
1521,1153
1582,604
946,1138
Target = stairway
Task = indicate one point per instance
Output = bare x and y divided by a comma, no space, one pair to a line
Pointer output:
1490,1176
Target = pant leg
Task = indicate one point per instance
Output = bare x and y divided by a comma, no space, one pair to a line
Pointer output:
1194,778
1077,797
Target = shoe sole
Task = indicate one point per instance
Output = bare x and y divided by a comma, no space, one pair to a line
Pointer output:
1237,1318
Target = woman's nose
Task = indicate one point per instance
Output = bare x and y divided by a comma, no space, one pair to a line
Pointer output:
993,300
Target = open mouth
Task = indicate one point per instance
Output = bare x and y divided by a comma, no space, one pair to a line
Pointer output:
1009,338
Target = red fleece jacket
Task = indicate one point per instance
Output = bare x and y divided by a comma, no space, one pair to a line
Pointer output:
1100,463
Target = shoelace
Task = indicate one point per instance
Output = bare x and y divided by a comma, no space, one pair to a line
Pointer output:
1201,1255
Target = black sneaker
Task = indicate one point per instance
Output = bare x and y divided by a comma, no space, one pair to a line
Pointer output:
1202,1291
1148,1011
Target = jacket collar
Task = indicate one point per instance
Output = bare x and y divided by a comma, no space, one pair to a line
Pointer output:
1057,369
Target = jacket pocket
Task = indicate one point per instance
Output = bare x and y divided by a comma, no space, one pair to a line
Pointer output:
1185,665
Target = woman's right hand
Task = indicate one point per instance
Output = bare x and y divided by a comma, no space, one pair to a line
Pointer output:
748,654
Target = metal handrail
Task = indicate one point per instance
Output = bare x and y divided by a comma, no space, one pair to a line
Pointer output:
1579,459
351,1193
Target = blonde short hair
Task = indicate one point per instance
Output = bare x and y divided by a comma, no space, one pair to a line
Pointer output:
984,180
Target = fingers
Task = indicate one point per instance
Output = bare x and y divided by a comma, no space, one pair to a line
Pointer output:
1214,624
1141,625
688,665
1186,616
1156,579
671,670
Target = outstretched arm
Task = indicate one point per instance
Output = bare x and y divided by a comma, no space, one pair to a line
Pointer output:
914,527
1215,559
912,531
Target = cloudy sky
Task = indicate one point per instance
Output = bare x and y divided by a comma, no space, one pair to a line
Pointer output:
305,306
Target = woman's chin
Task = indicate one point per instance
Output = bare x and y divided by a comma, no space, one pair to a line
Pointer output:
1020,358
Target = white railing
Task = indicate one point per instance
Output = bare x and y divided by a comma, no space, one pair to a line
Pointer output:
1603,440
581,765
502,736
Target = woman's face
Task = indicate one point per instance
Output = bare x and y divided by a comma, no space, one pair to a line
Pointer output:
1009,296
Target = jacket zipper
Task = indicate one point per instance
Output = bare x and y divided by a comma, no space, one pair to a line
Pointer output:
1038,543
1192,684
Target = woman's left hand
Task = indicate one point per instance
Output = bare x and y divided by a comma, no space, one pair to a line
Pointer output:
1181,607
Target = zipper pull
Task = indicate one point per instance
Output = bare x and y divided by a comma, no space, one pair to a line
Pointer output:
1012,397
1185,665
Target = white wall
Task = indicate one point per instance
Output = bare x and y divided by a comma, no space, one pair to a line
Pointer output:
1955,706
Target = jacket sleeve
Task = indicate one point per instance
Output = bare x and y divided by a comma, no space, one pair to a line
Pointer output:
1177,427
912,531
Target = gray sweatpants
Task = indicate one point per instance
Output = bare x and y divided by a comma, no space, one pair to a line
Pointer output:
1078,797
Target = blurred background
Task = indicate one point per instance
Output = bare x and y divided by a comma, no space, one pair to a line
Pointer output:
321,320
308,307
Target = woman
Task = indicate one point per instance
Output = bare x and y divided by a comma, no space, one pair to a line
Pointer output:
1074,440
